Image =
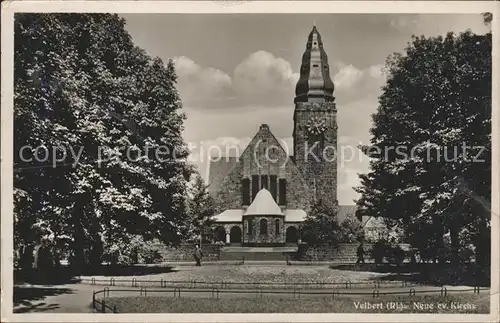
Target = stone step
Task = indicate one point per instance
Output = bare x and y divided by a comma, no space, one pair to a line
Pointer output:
252,256
229,249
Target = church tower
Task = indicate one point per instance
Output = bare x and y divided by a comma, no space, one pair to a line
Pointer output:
315,123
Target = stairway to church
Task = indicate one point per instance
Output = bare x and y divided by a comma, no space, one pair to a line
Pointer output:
255,253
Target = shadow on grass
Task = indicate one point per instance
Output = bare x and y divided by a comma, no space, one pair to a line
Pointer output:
24,297
136,270
59,276
427,273
66,275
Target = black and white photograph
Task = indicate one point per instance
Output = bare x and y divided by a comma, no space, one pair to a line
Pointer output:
160,160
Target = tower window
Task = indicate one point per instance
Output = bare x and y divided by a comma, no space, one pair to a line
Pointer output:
274,187
255,185
245,191
277,226
315,43
263,182
282,191
315,65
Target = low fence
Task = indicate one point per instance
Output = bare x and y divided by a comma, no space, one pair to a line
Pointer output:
136,283
99,305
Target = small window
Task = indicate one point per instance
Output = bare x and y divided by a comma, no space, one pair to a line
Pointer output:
250,227
245,191
263,227
277,226
315,65
315,43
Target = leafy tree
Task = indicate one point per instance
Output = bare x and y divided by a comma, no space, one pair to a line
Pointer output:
200,210
431,137
350,229
83,87
321,226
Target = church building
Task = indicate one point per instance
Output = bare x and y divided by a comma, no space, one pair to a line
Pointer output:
265,192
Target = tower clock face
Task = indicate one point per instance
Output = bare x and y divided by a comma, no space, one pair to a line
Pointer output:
316,126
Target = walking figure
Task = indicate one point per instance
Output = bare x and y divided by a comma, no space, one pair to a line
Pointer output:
361,254
198,255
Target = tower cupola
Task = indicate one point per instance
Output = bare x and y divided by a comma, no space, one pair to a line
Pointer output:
315,84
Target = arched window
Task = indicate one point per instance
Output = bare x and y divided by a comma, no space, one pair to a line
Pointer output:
263,227
277,226
249,227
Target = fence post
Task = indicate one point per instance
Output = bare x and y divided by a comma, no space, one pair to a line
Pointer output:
114,309
444,291
143,289
377,284
476,289
134,282
93,300
106,291
177,290
215,291
112,282
93,280
375,293
412,291
103,304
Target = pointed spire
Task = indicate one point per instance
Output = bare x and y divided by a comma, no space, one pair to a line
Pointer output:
314,83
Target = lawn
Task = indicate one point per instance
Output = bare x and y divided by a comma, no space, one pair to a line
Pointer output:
478,304
255,273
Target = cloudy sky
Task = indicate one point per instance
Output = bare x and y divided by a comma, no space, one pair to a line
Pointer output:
239,71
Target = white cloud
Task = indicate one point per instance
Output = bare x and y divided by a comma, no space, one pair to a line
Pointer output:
438,24
263,73
200,83
347,77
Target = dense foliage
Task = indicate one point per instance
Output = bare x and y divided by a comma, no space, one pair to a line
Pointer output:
431,146
83,89
321,227
200,210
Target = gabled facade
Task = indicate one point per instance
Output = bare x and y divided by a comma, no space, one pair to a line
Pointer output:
282,187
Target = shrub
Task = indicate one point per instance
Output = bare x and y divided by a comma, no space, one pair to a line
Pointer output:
379,251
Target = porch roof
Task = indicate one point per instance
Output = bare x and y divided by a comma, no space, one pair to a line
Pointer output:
236,215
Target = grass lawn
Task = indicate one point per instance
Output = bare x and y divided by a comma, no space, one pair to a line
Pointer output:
252,273
470,303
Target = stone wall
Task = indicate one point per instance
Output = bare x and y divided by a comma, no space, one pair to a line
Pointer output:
263,156
185,252
272,237
343,252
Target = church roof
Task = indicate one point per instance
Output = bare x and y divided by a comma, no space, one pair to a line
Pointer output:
236,215
295,215
264,204
219,168
230,215
291,215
